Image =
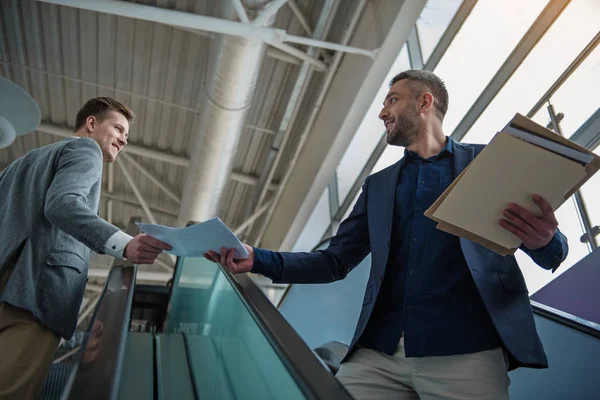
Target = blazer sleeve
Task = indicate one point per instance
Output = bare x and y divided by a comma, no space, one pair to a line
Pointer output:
346,250
552,255
78,169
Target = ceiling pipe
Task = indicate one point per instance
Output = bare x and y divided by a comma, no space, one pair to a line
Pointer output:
233,74
289,116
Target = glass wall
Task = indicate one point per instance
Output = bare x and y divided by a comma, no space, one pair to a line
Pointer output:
486,39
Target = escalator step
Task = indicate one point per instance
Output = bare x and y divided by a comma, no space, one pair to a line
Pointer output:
55,382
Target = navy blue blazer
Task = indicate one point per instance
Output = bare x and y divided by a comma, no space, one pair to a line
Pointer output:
368,229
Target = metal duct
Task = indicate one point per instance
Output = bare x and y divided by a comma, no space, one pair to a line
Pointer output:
234,69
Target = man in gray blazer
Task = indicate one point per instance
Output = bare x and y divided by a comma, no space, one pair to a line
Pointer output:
49,223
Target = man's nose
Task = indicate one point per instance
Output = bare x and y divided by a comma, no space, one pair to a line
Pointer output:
122,141
383,114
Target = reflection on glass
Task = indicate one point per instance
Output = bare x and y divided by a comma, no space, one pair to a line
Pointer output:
487,37
368,134
432,23
549,58
96,370
229,356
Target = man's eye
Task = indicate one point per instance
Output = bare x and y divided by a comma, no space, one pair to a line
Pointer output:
392,101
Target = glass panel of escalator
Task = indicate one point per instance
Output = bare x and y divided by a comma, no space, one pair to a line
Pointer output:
228,354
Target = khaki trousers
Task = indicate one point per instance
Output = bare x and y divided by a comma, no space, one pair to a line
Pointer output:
26,351
369,374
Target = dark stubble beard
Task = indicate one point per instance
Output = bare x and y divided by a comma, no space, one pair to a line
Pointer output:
406,130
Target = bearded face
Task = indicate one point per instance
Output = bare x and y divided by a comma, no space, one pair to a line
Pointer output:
402,129
400,116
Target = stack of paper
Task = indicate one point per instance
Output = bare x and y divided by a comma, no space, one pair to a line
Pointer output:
522,160
195,240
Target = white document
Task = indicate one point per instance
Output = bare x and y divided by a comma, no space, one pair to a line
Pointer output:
195,240
550,145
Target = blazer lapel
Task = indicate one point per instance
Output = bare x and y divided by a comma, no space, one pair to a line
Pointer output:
389,199
463,155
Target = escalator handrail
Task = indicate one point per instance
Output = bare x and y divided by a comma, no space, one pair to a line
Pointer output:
564,318
314,380
72,390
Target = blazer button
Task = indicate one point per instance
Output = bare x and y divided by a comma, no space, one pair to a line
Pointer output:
388,244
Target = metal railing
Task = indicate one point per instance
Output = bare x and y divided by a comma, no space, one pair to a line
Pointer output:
103,348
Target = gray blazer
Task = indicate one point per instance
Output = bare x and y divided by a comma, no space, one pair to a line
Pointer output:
49,200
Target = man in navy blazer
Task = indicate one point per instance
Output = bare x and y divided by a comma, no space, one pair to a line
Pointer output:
442,317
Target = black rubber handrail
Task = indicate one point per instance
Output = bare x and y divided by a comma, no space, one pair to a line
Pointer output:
572,321
103,348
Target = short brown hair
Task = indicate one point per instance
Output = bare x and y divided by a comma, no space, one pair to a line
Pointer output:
424,80
98,107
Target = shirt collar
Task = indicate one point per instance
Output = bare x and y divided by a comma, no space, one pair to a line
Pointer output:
448,149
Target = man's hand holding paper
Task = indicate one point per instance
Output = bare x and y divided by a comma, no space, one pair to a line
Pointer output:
535,231
227,259
196,240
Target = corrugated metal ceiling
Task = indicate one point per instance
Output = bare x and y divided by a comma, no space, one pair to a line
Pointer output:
64,56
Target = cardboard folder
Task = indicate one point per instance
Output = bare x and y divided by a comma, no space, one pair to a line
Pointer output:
509,170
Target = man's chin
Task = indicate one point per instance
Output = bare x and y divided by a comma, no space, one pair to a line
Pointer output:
393,140
109,158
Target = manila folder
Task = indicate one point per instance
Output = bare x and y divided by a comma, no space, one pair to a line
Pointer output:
508,170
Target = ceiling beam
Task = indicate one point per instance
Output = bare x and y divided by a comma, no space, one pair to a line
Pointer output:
457,22
201,22
137,191
132,202
338,115
166,190
565,75
131,148
153,154
536,31
300,16
268,12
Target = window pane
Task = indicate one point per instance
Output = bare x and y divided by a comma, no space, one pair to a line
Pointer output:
485,40
552,55
574,98
569,225
591,195
315,226
432,23
370,130
390,155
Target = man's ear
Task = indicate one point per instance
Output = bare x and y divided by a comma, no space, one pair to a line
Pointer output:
90,123
426,102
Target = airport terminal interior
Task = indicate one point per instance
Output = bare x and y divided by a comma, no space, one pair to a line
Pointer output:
264,113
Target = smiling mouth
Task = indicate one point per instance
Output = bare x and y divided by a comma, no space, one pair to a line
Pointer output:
388,125
117,147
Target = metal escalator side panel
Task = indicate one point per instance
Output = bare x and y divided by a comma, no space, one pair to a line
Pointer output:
97,372
137,380
172,368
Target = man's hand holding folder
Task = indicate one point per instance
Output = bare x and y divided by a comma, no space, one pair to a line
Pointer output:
534,231
521,162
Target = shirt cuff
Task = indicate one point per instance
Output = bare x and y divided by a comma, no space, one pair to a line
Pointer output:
115,245
550,250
